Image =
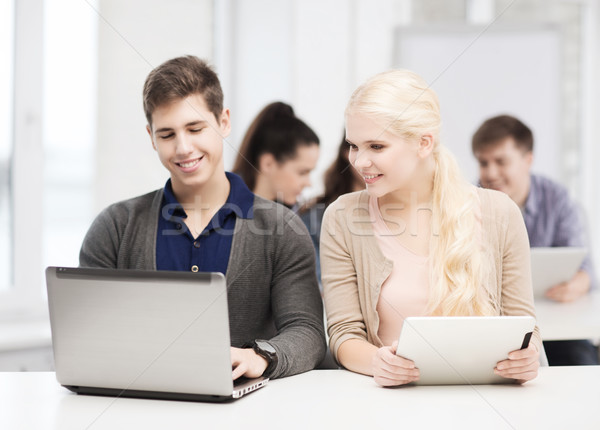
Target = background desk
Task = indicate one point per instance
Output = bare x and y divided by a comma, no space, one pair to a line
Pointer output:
563,321
560,398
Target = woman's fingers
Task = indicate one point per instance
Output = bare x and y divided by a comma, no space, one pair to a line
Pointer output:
390,369
521,365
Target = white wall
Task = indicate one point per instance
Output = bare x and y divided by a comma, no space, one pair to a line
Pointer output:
480,73
590,151
256,62
134,37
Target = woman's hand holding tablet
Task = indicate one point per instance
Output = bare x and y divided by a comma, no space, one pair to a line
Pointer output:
390,369
521,365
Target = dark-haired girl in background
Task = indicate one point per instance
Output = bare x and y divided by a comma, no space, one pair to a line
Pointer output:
277,154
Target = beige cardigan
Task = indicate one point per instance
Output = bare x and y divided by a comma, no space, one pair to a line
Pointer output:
354,268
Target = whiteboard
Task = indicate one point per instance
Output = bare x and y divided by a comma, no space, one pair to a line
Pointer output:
480,73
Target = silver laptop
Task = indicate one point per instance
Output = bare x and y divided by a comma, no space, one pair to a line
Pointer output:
462,350
142,334
552,266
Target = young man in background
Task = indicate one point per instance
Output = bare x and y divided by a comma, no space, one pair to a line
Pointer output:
503,146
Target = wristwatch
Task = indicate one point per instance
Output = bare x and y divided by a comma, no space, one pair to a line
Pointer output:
266,351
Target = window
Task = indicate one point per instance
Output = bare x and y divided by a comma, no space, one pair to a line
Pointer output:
69,128
47,135
6,99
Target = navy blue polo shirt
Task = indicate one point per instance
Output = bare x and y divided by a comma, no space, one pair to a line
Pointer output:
176,247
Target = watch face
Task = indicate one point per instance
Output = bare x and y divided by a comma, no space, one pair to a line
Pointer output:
266,346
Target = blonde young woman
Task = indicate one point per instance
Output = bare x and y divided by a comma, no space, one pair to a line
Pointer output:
419,240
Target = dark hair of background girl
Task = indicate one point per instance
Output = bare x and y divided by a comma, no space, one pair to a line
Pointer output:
276,130
338,178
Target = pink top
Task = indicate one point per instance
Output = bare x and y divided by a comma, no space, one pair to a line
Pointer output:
405,292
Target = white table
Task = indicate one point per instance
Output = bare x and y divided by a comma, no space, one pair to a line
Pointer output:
563,321
26,344
560,398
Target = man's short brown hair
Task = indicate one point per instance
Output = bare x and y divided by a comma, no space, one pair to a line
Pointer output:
179,78
498,128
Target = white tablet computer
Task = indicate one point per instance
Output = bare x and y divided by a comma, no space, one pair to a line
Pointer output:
462,350
552,266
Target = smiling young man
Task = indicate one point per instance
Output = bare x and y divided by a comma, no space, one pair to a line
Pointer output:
207,220
503,146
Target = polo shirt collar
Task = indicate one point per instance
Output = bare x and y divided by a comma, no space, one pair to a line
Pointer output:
170,203
240,201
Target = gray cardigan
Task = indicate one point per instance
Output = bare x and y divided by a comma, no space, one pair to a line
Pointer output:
271,282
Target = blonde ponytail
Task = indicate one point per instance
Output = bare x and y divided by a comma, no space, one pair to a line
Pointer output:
458,269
